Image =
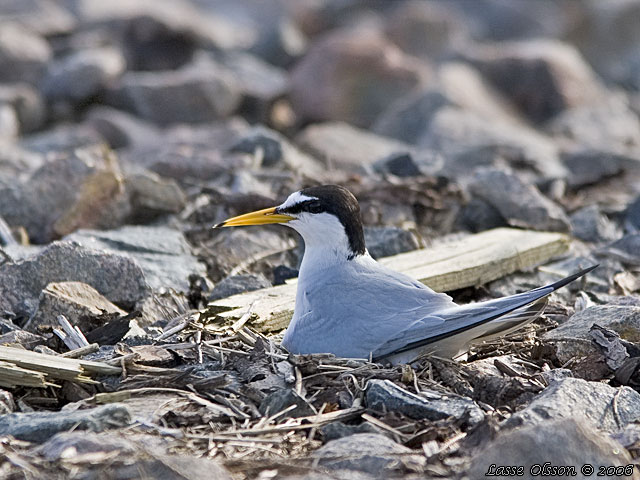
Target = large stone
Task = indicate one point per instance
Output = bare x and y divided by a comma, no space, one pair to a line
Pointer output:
84,189
626,250
352,78
117,277
590,225
608,125
468,139
201,91
539,76
519,204
573,339
458,85
342,146
23,54
162,253
82,74
152,196
234,247
80,303
385,396
40,426
591,166
368,452
574,397
557,444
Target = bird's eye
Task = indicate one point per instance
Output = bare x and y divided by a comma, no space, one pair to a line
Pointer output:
315,207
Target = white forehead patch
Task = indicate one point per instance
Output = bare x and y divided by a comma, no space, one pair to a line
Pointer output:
296,198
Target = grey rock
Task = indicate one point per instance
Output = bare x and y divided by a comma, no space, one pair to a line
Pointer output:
235,246
23,54
27,104
20,337
626,250
45,17
572,338
558,442
369,453
61,196
260,84
590,166
282,399
609,124
38,427
590,225
273,150
282,273
478,215
80,303
473,139
342,146
520,204
326,86
82,74
152,196
121,129
387,241
410,164
574,397
235,284
280,43
539,76
385,396
556,374
163,253
198,92
176,22
117,277
459,86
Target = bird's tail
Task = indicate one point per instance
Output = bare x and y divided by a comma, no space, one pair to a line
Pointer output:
486,320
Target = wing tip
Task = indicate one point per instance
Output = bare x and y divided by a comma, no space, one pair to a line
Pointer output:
565,281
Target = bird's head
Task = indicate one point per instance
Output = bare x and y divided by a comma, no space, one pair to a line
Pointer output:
325,216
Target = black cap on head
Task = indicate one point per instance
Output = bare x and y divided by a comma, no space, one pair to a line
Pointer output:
337,201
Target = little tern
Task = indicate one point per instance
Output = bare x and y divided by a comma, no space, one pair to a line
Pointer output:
350,305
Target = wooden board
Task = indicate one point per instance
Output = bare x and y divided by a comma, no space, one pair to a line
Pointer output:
471,261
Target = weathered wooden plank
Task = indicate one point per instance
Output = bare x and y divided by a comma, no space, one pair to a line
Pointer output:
471,261
51,366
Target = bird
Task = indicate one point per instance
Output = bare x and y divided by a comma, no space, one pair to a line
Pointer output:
350,305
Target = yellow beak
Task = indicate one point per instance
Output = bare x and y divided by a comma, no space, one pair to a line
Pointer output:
261,217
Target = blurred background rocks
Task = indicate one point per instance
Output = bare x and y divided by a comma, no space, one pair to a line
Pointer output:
129,127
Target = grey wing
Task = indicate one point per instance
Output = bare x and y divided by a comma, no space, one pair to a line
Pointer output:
378,306
510,311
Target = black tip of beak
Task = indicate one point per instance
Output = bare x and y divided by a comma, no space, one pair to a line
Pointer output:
219,225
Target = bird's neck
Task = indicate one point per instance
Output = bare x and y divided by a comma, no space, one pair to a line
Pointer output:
319,256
